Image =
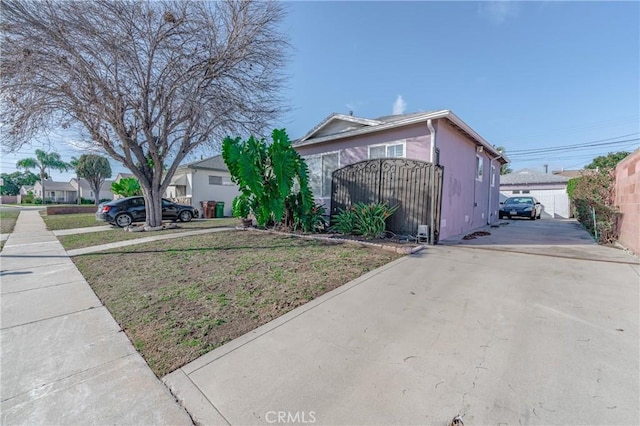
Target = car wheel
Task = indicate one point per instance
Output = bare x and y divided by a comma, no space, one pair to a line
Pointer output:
123,220
185,216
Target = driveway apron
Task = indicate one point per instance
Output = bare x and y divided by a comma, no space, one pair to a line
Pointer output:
497,336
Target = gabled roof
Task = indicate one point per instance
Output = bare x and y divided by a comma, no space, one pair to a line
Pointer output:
211,163
50,185
394,121
356,122
124,176
528,177
84,184
573,173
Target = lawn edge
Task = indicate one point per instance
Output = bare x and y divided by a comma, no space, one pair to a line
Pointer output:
398,250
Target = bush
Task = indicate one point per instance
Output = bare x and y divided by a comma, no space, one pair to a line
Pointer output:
593,195
368,220
344,222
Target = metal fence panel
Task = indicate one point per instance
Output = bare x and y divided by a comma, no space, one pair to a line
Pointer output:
395,181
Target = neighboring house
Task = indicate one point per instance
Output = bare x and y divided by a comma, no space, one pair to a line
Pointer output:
549,189
24,191
58,192
201,181
121,176
471,166
86,192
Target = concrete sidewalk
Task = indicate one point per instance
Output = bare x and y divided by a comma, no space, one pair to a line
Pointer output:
64,359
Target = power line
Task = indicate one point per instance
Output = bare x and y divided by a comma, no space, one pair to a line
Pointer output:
552,148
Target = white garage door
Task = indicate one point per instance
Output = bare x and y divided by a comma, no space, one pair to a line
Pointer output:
555,202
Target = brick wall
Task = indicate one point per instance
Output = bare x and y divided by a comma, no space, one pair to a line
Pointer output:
51,210
628,201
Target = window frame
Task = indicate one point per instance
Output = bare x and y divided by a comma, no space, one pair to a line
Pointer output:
314,156
479,167
493,176
215,176
386,146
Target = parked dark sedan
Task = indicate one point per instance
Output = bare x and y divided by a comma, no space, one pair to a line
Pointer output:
520,207
125,211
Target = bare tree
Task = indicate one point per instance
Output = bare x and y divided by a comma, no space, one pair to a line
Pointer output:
148,81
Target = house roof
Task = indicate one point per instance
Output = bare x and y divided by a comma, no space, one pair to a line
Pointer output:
84,184
124,176
573,173
211,163
364,126
50,185
527,176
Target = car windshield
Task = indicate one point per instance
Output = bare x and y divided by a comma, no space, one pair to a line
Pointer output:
519,201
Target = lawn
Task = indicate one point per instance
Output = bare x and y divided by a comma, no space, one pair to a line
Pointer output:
76,241
8,220
70,221
179,299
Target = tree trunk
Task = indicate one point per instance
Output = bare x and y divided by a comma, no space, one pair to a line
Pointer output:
153,206
44,193
79,201
95,185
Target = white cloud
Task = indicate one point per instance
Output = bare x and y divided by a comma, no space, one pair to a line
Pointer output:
498,11
399,106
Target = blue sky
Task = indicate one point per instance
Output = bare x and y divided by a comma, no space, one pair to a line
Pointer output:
524,75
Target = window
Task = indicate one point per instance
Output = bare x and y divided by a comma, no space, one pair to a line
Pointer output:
395,150
215,180
493,175
321,167
515,192
479,167
525,191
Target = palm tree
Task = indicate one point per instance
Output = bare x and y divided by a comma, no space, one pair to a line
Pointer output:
43,161
73,164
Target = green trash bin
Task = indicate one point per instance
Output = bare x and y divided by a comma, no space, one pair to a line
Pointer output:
220,209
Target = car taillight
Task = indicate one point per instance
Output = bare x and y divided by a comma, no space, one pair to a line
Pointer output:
106,209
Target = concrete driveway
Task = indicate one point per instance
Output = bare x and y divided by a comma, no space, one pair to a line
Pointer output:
493,330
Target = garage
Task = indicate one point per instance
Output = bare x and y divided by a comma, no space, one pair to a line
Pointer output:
549,189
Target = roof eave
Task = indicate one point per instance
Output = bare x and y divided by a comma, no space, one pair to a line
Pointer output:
448,114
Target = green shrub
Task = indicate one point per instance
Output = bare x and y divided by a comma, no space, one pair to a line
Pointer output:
592,195
368,220
344,222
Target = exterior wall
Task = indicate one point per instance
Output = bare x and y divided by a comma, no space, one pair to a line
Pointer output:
553,197
627,198
466,202
354,149
199,189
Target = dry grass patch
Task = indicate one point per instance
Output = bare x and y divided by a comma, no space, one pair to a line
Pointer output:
179,299
8,220
76,241
70,221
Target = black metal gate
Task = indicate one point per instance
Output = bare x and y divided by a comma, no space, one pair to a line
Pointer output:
395,181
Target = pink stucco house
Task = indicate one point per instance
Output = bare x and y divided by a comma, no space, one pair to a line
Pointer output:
471,166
